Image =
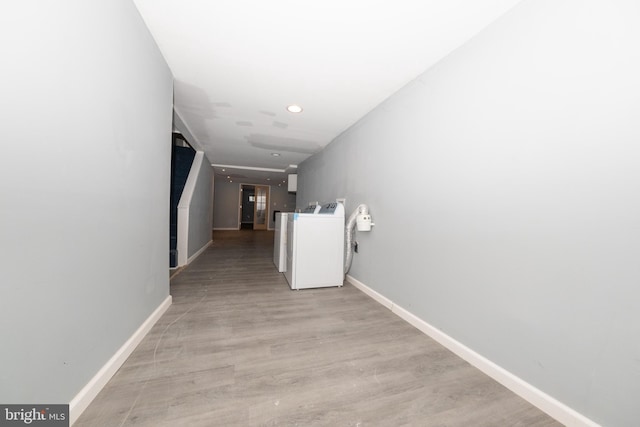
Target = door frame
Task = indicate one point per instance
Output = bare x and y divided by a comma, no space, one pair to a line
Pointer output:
239,206
264,226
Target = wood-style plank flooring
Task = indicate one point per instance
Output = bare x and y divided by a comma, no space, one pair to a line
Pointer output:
239,348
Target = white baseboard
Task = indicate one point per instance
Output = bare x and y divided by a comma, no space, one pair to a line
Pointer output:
536,397
82,400
197,254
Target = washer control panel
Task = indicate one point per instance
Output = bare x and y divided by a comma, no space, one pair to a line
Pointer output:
331,208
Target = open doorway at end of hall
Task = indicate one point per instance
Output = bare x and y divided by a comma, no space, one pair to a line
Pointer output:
253,207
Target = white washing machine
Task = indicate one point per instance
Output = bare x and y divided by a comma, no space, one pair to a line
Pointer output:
315,247
280,242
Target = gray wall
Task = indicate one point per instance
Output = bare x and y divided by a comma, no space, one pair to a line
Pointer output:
280,200
504,186
84,178
226,202
201,209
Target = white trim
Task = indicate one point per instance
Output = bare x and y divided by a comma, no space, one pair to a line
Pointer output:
82,400
182,244
191,139
536,397
183,209
249,168
373,294
197,254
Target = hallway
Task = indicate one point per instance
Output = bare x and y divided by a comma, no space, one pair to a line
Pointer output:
239,348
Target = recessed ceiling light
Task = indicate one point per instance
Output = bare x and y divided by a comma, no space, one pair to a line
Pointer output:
275,154
268,179
228,176
223,170
293,108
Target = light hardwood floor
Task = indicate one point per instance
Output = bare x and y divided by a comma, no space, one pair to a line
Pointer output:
239,348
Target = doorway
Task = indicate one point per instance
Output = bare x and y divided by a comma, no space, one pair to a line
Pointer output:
254,207
247,195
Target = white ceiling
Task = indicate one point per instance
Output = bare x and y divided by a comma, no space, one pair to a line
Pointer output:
238,64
